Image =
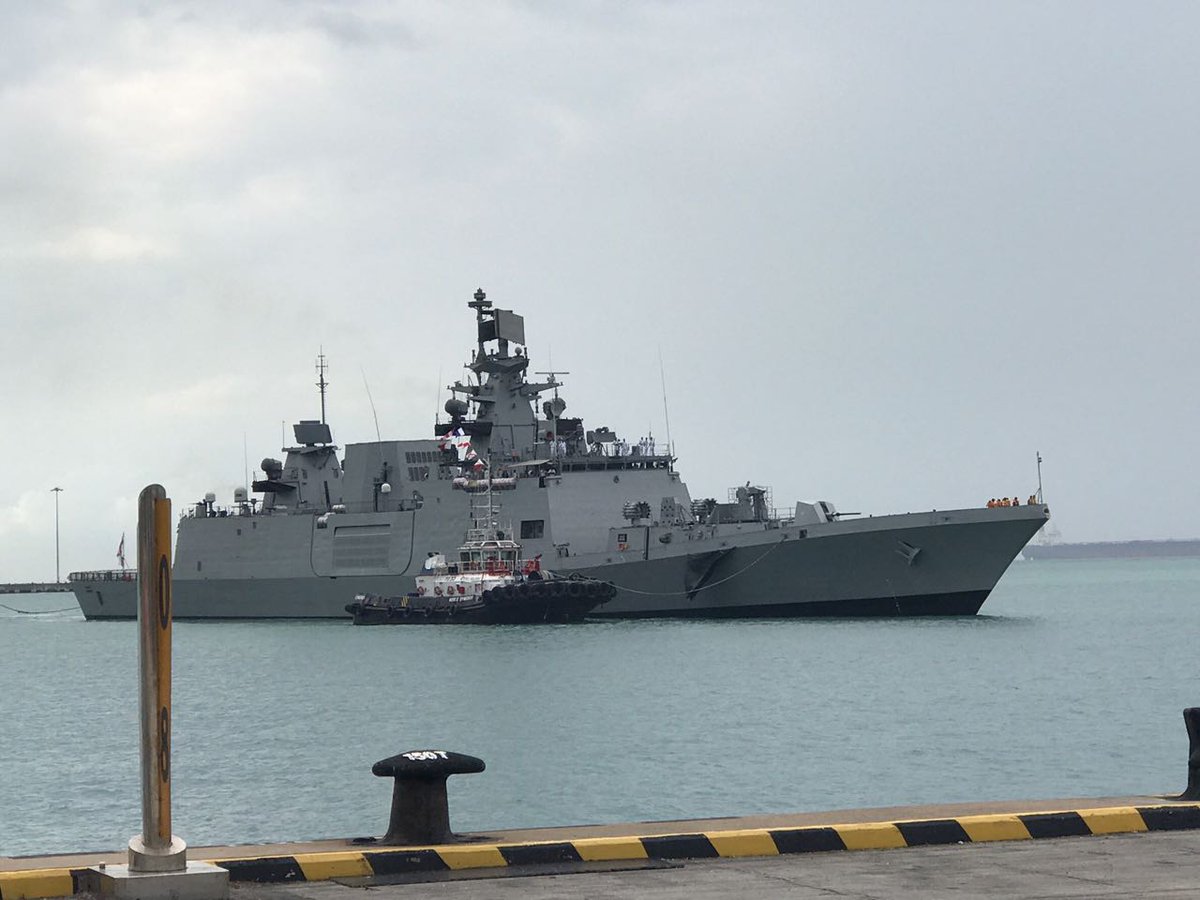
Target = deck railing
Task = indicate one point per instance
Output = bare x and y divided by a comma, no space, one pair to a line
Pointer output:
104,575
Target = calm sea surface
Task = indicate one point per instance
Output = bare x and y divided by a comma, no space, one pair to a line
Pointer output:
1071,684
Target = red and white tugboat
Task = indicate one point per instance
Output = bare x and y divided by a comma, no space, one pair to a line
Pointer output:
489,584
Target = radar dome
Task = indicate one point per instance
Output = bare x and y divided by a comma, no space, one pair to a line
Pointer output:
385,488
456,408
239,495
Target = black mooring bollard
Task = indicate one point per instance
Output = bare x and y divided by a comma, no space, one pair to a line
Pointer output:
1191,718
420,812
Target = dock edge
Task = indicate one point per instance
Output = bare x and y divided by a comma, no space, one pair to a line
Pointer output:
35,884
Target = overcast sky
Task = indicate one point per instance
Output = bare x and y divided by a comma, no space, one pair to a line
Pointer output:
887,252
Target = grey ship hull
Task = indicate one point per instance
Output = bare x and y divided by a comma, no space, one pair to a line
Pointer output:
852,567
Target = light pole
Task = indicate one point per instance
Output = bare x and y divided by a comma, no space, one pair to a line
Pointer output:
56,491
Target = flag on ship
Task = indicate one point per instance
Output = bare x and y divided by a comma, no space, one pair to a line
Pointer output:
121,551
450,438
458,440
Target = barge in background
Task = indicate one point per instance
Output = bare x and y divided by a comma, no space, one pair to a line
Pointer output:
1114,550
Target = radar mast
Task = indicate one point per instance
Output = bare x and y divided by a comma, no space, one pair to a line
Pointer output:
322,384
554,408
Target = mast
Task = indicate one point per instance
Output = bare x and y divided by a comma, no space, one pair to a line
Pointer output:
666,415
479,304
557,406
322,384
1039,464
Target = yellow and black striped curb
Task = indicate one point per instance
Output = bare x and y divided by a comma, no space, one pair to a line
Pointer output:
39,883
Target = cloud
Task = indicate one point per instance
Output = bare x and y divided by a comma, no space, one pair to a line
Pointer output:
97,245
26,513
207,396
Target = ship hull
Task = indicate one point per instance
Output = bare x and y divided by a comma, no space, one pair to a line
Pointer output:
918,564
965,603
123,605
937,563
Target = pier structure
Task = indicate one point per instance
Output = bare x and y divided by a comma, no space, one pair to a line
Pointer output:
36,587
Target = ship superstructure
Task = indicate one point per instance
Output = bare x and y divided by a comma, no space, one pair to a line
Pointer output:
586,500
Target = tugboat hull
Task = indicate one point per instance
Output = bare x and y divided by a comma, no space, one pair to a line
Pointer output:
559,601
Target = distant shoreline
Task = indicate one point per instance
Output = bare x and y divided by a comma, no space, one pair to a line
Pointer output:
1114,550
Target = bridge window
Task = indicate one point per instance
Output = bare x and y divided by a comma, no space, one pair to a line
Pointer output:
533,528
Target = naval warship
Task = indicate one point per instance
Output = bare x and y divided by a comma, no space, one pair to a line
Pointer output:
323,527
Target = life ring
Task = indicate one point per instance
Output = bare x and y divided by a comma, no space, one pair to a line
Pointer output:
461,590
421,590
438,590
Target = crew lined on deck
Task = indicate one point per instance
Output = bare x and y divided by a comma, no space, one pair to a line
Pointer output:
1011,501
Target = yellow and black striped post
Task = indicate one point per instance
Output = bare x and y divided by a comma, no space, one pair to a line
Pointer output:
155,849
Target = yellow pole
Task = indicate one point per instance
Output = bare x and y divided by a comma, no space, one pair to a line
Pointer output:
155,849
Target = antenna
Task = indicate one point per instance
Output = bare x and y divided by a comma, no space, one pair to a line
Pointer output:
553,419
666,414
322,383
372,402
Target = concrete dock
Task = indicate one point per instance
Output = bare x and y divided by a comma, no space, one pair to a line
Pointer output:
1093,847
1156,866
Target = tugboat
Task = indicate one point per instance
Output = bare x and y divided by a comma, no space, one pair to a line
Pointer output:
489,584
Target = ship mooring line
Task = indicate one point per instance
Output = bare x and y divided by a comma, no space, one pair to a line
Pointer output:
37,612
694,591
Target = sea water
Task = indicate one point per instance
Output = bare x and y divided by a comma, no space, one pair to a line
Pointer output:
1070,684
